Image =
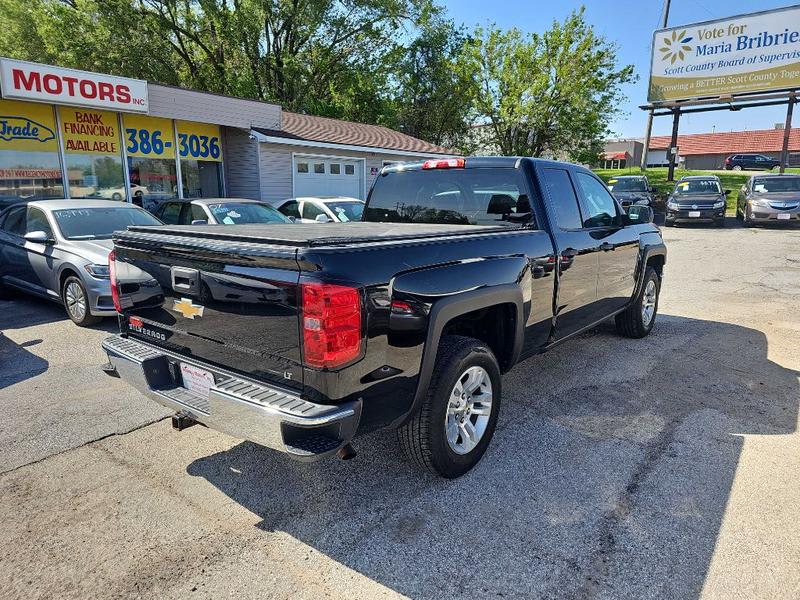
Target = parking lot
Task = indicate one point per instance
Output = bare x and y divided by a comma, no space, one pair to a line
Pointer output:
658,468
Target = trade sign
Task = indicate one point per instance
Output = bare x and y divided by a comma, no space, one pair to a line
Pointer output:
758,52
27,127
44,83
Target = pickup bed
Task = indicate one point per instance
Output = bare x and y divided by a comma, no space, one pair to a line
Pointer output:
300,337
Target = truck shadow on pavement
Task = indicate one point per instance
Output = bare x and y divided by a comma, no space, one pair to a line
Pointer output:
608,476
21,312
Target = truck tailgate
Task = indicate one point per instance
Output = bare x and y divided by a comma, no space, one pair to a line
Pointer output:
230,304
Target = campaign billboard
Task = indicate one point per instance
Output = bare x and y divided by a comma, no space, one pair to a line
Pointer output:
757,52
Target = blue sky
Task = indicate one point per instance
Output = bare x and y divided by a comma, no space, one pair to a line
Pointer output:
629,23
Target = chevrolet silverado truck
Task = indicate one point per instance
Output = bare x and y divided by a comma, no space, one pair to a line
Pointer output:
301,337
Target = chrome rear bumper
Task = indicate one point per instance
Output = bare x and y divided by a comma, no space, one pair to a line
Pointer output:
266,415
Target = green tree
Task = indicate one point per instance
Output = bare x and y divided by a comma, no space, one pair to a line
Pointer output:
433,98
548,94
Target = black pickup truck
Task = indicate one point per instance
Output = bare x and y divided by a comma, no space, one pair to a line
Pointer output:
298,337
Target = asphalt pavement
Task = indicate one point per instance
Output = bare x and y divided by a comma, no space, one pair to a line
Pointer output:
657,468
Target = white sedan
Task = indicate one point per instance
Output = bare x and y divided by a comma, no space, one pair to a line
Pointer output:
322,209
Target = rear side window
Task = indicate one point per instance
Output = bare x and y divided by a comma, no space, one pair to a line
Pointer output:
171,213
14,222
562,197
489,196
291,209
597,205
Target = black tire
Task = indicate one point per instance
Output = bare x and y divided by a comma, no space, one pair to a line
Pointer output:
423,439
85,318
747,220
631,322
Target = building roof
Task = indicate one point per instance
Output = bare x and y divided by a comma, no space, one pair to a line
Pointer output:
334,131
733,142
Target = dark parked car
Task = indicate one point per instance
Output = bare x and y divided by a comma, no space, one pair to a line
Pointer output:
218,211
298,338
769,199
632,189
699,198
58,249
751,162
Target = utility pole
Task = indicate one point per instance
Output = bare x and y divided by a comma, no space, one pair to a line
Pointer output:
649,127
787,130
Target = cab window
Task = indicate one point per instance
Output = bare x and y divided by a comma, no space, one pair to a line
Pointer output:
597,205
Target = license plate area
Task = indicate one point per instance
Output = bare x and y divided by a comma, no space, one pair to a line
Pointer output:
196,380
784,216
694,213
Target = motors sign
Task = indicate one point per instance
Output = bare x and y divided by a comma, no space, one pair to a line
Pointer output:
758,52
42,83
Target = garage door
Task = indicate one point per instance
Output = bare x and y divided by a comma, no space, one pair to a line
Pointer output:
328,177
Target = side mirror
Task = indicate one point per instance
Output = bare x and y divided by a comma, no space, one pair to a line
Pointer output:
639,213
322,219
38,237
651,189
726,192
199,222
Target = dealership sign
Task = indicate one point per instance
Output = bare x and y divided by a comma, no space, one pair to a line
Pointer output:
43,83
752,53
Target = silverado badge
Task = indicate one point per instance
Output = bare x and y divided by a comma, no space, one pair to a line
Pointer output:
187,308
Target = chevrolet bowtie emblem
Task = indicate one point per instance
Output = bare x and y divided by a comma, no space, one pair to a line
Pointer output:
187,308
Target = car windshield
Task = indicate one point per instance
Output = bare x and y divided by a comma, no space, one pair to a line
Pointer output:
99,223
776,184
237,213
697,186
627,185
485,196
346,211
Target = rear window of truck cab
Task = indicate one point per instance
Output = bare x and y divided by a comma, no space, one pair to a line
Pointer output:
484,196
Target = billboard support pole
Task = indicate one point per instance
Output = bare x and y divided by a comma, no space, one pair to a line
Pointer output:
673,144
648,131
787,130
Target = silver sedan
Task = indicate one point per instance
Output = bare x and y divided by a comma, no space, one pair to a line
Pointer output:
58,249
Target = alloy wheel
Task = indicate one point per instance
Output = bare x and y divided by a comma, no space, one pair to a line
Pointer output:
75,299
649,302
468,410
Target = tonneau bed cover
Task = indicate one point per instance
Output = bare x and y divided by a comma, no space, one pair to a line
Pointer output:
314,234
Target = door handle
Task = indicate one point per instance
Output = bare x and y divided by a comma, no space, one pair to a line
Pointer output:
605,246
186,281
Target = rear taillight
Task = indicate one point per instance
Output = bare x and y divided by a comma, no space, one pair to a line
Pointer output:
728,161
331,324
446,163
112,275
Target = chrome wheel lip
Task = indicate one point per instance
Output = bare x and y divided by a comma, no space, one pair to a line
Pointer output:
468,410
649,299
75,300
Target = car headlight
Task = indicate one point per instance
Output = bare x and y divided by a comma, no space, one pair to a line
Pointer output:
99,271
673,205
719,204
759,202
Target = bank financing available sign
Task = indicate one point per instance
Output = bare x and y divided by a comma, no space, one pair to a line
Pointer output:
43,83
758,52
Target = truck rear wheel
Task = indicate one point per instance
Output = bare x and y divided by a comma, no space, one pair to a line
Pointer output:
452,429
637,320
